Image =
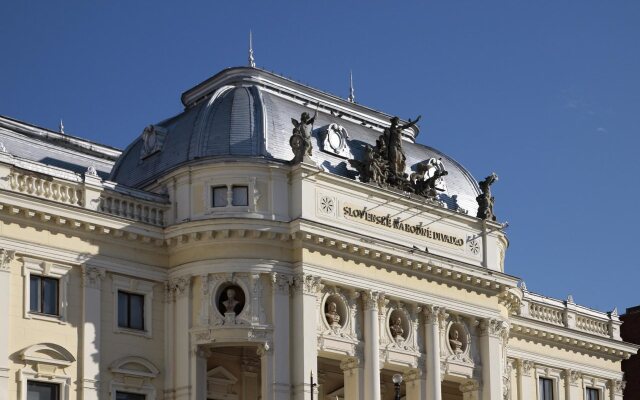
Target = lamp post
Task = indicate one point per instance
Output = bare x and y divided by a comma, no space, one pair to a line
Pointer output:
397,380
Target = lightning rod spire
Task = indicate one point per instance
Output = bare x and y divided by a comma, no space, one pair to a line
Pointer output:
252,61
352,92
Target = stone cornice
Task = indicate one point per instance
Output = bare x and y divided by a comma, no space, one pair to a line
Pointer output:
571,339
390,256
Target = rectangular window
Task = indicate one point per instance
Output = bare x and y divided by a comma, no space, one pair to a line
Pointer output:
593,394
129,396
42,391
240,196
43,294
546,389
130,310
219,196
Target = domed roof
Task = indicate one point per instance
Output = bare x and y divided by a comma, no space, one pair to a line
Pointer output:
247,112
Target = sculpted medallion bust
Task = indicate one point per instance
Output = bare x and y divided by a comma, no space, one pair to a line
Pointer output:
396,329
454,341
230,303
333,318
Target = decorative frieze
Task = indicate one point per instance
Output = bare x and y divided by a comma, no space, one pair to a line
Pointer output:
92,276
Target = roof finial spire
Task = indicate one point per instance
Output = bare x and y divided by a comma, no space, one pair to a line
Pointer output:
252,61
61,126
352,92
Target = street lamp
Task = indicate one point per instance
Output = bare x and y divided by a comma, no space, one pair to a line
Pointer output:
397,380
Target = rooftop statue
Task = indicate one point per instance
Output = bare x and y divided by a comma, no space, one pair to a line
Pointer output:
392,137
426,177
485,200
300,140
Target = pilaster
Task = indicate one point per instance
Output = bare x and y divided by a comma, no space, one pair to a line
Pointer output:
305,359
279,385
178,292
616,388
371,344
491,354
6,256
353,378
90,344
573,389
526,382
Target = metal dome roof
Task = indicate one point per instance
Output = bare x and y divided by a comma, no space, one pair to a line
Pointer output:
246,113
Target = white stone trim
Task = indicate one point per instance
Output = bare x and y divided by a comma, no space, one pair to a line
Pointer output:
49,270
137,380
594,383
135,286
50,369
548,373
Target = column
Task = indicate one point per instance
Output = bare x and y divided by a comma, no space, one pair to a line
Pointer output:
305,343
371,345
572,388
199,378
491,332
432,337
179,290
470,390
526,384
416,384
279,387
616,388
353,378
90,344
249,377
6,256
169,315
267,371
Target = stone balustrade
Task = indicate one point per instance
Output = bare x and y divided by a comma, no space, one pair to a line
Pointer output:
80,190
569,315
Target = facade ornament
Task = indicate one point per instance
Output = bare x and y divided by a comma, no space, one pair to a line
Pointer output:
92,276
427,179
571,376
300,140
333,318
175,288
373,300
334,140
432,313
469,386
350,363
307,284
494,327
61,127
396,329
6,256
385,165
263,349
616,386
153,138
2,148
485,199
252,61
91,171
570,300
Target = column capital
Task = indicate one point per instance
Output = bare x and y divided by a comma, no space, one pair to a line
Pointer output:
435,314
307,284
6,256
494,327
176,288
571,376
524,367
616,386
264,349
280,283
372,300
92,276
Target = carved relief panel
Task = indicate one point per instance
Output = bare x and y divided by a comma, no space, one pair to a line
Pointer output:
337,326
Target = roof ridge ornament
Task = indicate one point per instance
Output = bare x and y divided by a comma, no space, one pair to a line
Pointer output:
61,127
252,61
352,92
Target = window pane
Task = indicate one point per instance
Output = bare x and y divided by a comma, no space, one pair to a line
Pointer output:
240,196
546,389
220,196
34,293
592,394
136,310
129,396
123,309
42,391
50,296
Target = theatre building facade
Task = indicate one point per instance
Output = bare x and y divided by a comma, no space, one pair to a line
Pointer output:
268,234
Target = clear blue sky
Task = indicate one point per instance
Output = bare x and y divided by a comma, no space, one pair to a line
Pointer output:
545,93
